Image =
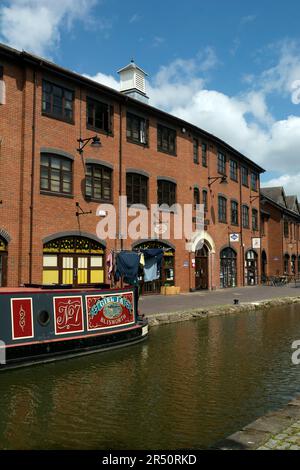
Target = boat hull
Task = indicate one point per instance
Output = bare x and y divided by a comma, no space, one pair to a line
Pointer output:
44,326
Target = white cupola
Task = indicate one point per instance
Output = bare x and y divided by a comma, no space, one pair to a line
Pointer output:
132,82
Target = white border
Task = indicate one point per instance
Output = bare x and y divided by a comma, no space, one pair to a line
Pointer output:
12,318
109,295
54,315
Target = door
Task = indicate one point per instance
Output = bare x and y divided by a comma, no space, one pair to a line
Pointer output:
201,269
80,269
3,259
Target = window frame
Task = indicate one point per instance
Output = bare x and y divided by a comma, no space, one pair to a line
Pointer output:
234,169
254,181
60,116
131,116
221,163
62,172
222,209
245,176
245,217
143,186
234,211
160,148
169,188
254,220
94,179
110,111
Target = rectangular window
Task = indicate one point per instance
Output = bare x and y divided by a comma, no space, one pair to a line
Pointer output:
234,213
196,150
245,174
57,101
137,129
222,209
166,140
245,216
254,179
98,182
233,170
166,192
204,154
56,174
99,115
286,228
254,220
204,200
136,189
221,163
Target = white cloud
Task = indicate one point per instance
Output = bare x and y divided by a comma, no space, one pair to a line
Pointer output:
107,80
291,183
135,18
35,25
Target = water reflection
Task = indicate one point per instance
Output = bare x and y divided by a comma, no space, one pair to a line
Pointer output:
190,385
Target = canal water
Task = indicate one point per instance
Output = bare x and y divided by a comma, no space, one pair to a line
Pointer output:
188,386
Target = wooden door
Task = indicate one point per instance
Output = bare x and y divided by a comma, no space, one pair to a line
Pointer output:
201,272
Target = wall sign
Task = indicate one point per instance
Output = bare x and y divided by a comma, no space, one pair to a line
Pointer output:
234,237
22,318
109,311
256,243
68,315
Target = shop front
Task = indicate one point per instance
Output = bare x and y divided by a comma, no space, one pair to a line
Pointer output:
251,268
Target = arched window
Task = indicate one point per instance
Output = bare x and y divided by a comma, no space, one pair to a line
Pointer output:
251,268
98,182
137,189
56,174
196,197
228,268
166,192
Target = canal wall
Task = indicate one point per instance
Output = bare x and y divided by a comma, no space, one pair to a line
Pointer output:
157,319
277,430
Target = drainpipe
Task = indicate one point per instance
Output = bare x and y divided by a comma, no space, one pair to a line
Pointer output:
120,176
32,176
22,160
241,231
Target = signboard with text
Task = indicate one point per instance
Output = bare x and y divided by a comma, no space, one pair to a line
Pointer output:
109,310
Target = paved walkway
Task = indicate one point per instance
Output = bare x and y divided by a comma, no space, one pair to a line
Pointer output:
288,439
153,304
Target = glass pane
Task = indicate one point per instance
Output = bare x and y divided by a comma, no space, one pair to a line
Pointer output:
96,261
68,262
50,260
55,186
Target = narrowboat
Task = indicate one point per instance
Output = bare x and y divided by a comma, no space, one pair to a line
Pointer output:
39,324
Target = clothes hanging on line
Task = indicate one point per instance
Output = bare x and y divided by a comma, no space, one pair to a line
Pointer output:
153,261
127,266
110,265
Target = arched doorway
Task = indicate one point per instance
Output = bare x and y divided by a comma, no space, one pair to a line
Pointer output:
286,264
264,262
3,262
251,268
73,260
167,274
228,268
201,268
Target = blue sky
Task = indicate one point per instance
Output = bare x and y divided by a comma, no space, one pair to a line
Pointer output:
231,67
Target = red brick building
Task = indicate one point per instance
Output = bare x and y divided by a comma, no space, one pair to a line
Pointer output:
146,153
280,222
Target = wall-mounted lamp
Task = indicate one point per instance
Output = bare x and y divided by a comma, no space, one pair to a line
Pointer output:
213,179
95,143
80,211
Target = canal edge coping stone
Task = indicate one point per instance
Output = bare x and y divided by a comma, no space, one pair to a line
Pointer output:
218,310
256,434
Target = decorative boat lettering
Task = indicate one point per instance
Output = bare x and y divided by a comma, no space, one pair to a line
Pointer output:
109,311
68,314
22,318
